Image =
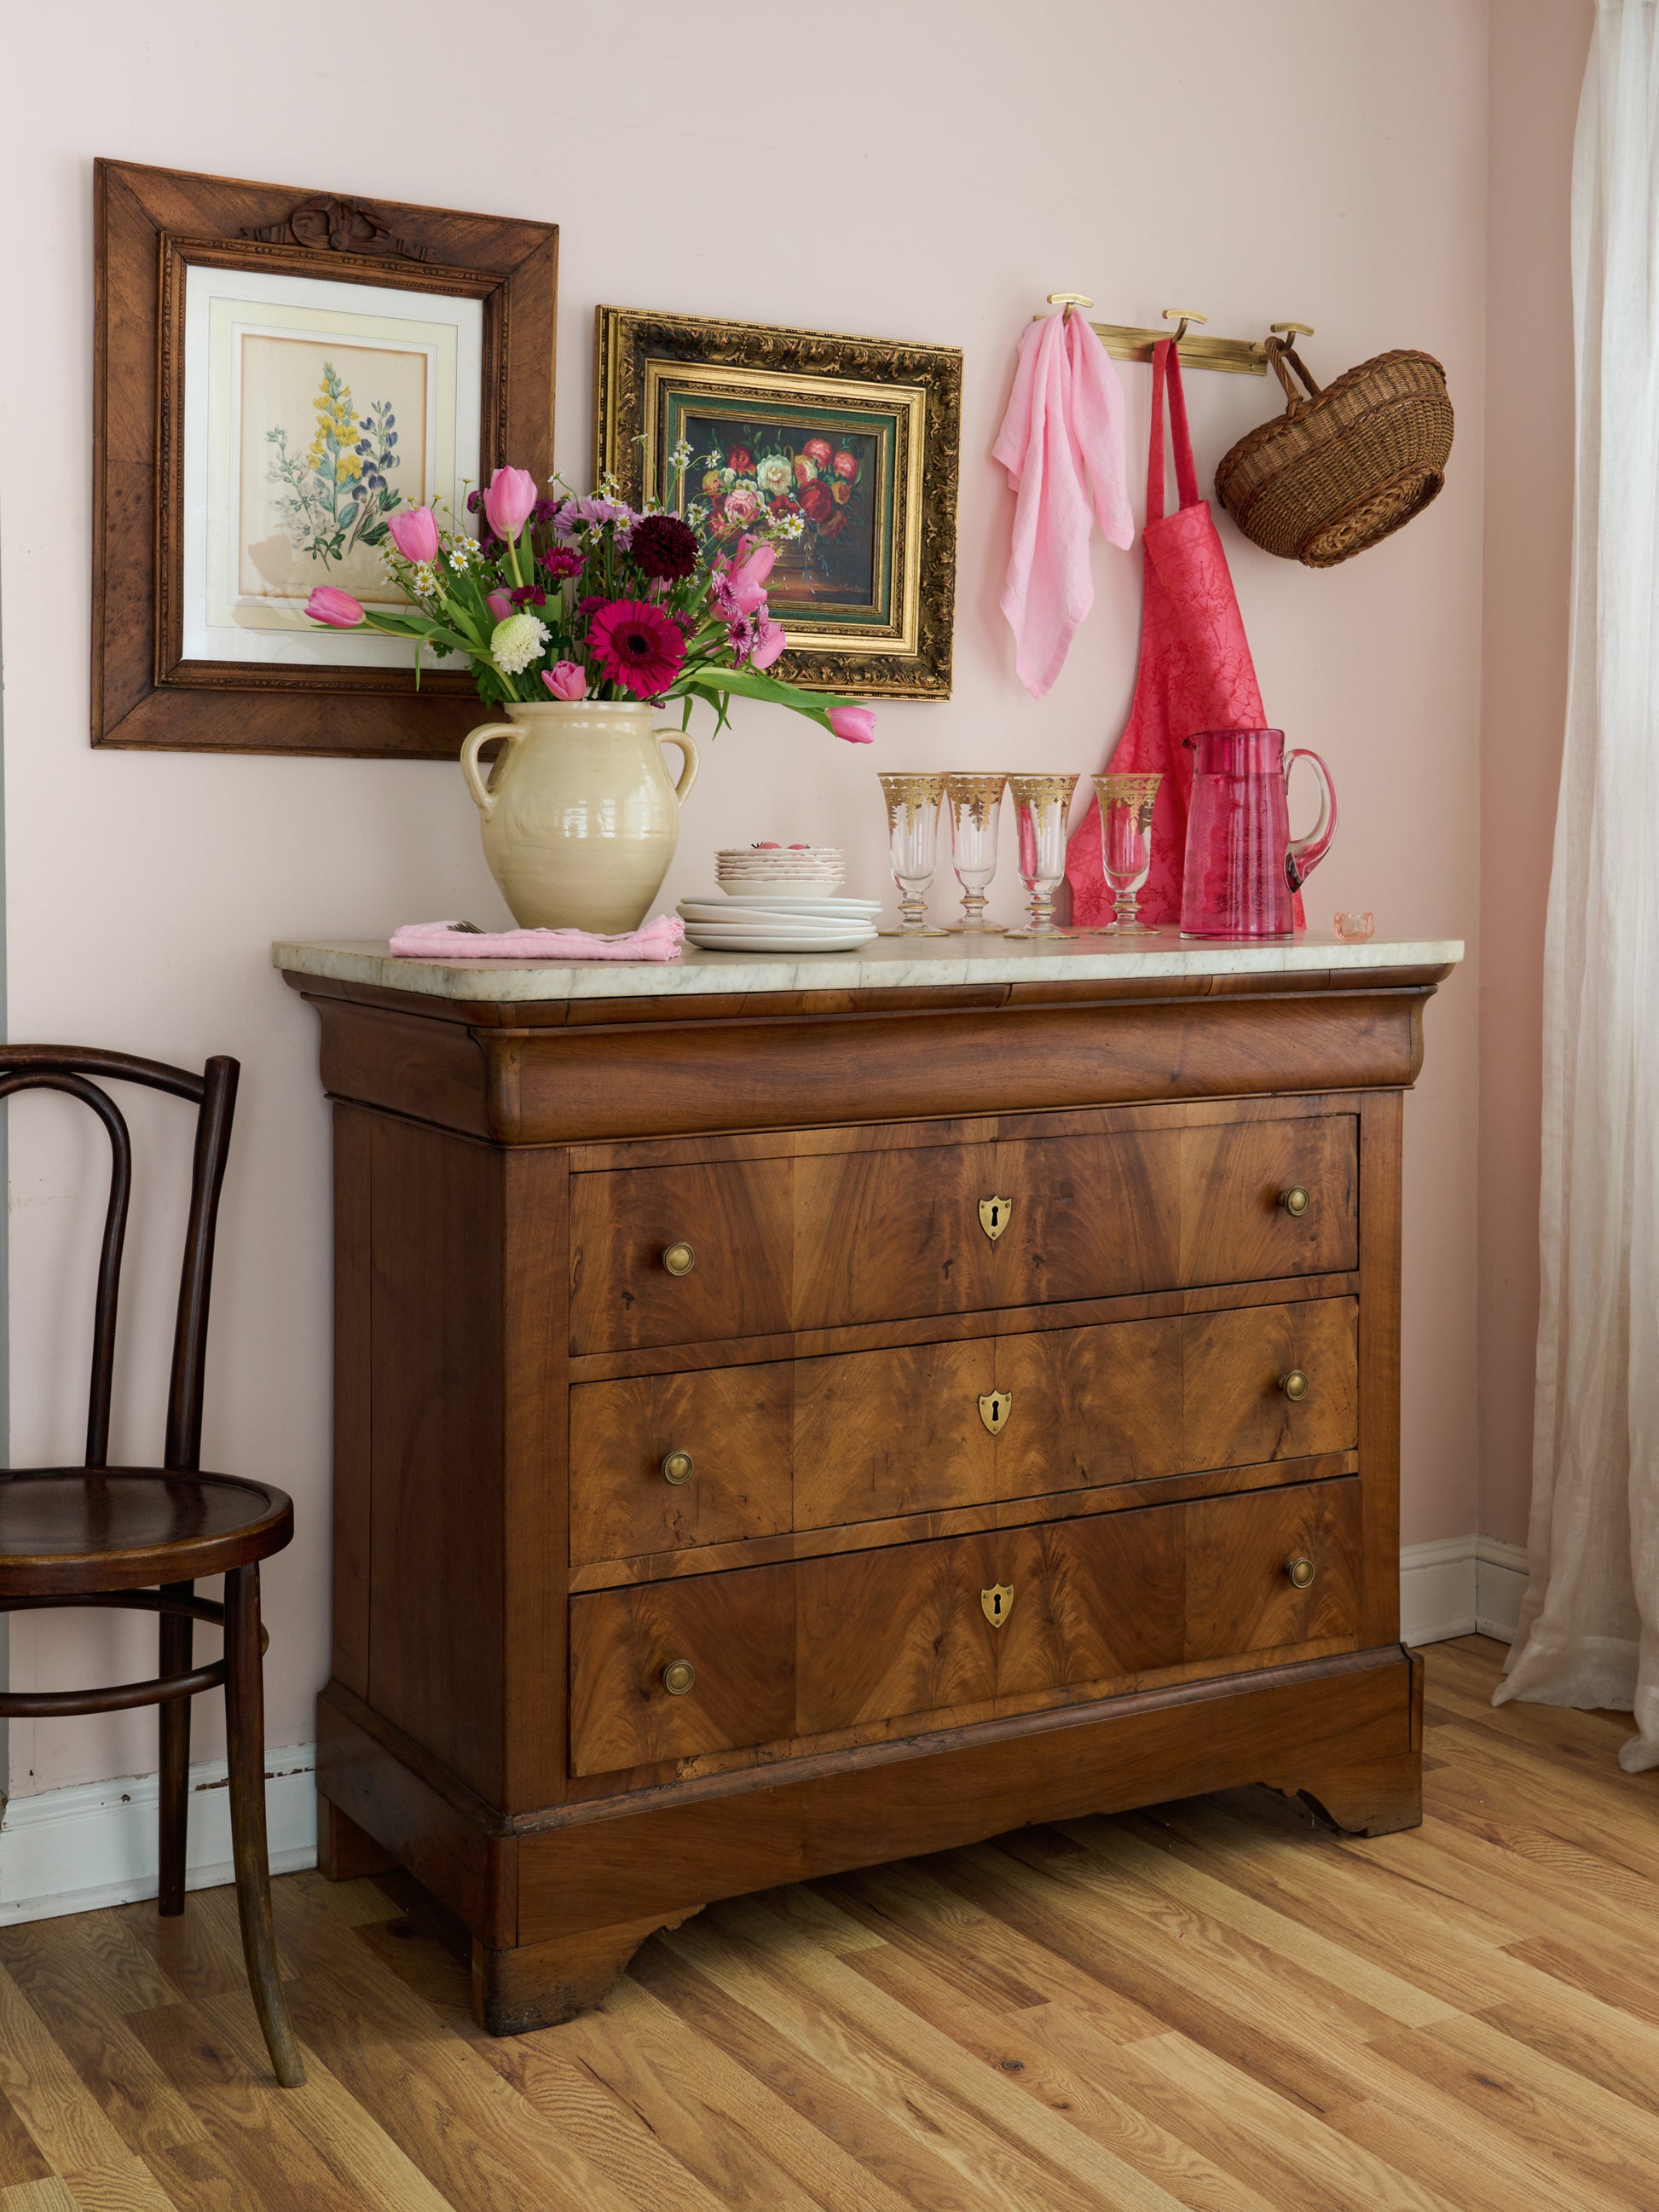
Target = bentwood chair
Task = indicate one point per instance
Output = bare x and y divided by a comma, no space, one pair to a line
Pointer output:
142,1537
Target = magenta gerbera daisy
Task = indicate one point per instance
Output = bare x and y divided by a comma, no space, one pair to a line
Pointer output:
637,645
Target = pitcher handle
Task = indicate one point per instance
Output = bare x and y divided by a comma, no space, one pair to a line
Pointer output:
1305,854
474,742
689,755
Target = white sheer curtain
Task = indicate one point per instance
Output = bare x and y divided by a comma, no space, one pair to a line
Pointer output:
1590,1625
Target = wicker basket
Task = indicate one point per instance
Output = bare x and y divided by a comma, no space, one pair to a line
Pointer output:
1341,468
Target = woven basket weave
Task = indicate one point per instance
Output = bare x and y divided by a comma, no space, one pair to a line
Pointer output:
1343,467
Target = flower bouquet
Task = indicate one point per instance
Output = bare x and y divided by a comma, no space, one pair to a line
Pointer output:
569,599
808,496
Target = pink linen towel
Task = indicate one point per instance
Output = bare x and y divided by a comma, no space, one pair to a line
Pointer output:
445,940
1065,420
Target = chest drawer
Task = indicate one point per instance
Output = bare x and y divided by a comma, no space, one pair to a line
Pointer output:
665,1462
685,1255
769,1655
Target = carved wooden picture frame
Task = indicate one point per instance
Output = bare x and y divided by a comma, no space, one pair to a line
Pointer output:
196,645
860,437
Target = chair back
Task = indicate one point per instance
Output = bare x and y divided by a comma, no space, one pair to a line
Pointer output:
72,1069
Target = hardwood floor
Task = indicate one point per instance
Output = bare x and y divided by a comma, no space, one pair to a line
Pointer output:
1215,2004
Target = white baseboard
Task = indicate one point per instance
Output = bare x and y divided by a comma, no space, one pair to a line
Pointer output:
74,1850
1459,1587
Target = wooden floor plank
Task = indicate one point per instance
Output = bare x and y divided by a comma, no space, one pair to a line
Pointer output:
1214,2006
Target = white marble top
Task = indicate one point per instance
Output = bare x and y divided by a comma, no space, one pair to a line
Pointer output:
889,963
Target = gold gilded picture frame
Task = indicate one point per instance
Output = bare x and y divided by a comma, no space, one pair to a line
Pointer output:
859,438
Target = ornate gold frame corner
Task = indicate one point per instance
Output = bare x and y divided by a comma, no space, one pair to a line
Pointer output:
630,343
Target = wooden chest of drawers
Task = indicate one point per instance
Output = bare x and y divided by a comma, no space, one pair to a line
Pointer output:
778,1432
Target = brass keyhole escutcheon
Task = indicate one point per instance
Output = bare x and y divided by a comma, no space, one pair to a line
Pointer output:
1294,1200
676,1466
678,1677
1301,1572
997,1602
1295,1385
679,1259
994,1407
993,1216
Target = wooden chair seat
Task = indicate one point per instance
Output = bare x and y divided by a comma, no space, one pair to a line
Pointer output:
77,1530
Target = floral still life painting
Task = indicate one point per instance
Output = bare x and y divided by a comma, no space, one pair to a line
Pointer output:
333,440
826,492
843,450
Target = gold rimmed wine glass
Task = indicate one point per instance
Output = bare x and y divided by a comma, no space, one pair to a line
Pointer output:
1043,807
913,804
1127,800
975,805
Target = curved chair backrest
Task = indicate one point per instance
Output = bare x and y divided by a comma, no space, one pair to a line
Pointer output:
71,1068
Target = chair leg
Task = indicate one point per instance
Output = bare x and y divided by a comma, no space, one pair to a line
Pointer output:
178,1645
245,1727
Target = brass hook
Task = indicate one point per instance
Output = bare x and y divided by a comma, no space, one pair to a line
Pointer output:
1291,330
1187,315
1068,301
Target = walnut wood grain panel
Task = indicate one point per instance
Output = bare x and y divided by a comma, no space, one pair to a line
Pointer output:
663,1078
438,1412
785,1654
888,1635
736,1220
849,1237
738,1632
1239,1597
353,1501
1090,1406
735,1423
1381,1120
1234,1410
1232,1225
892,1432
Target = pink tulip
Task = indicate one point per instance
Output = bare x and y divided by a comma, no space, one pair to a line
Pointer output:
509,502
414,531
336,608
565,680
499,604
748,583
770,641
856,724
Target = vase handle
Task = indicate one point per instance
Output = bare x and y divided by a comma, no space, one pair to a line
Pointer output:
471,745
1305,854
689,753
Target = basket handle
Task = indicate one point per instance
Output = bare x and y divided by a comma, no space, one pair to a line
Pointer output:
1280,350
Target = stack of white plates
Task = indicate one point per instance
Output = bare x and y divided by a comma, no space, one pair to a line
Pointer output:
757,921
793,871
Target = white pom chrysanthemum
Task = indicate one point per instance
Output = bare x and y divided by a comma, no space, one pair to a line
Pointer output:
516,642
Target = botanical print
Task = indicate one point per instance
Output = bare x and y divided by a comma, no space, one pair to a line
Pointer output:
816,484
333,438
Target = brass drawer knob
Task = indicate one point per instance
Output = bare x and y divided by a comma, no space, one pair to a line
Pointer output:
1294,1200
679,1259
1301,1572
678,1677
1295,1385
676,1466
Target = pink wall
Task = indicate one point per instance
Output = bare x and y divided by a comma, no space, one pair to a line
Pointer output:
1538,49
1320,159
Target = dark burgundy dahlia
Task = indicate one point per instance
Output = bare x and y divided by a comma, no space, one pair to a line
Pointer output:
664,547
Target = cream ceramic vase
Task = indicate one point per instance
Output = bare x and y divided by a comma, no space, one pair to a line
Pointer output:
579,819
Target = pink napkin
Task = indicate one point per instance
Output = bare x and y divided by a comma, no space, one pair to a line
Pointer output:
440,940
1064,422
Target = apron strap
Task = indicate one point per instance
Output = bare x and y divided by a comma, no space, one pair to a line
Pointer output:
1166,367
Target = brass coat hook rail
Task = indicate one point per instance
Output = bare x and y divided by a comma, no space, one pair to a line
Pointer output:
1124,342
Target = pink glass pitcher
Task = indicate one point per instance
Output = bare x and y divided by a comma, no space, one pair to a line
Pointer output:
1244,866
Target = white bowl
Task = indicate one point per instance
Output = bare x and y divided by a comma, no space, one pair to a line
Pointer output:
819,869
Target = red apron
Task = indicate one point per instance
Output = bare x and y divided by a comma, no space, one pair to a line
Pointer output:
1195,670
